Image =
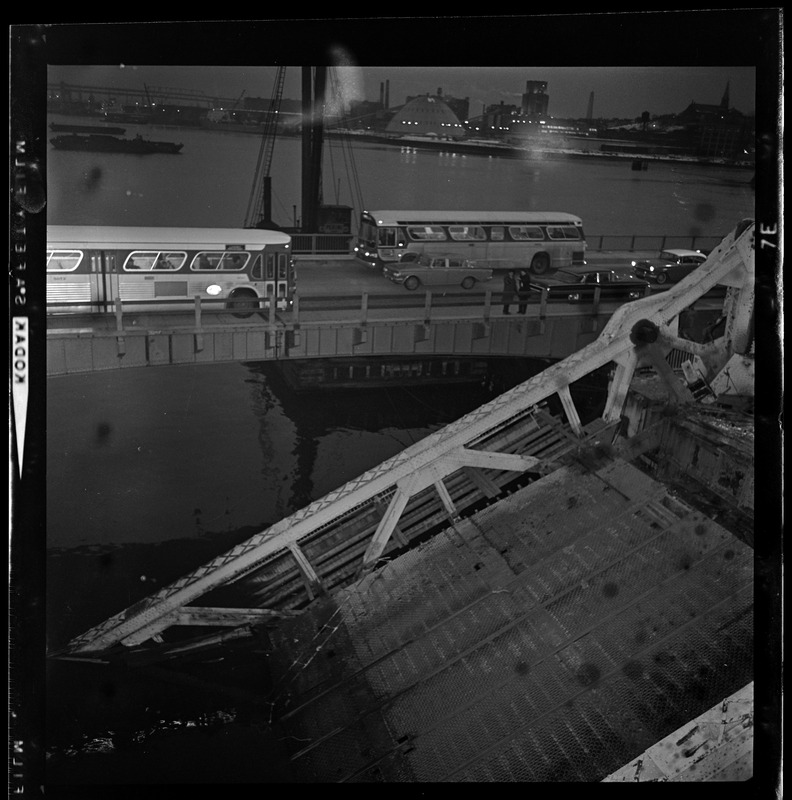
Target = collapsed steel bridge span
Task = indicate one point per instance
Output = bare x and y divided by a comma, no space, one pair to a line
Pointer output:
509,598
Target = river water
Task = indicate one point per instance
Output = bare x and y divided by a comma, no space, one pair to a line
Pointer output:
209,184
151,472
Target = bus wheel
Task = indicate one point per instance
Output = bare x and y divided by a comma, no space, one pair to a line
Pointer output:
243,305
540,264
468,282
411,283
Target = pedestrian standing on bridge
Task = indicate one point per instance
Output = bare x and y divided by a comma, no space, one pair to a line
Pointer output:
523,290
509,290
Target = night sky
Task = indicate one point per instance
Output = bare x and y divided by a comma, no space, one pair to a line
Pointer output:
633,62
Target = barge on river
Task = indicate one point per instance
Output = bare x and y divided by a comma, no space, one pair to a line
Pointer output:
104,143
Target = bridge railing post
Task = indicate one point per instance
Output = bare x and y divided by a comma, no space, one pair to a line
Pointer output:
597,295
119,314
296,311
427,308
364,308
197,311
543,303
487,305
272,306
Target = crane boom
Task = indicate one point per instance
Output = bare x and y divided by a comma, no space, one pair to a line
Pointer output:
258,211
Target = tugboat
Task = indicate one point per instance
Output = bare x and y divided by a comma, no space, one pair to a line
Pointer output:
102,143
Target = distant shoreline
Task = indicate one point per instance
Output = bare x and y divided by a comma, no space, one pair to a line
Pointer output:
540,151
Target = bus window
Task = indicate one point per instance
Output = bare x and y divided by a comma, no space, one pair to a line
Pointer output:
497,233
282,266
270,267
386,237
204,260
423,233
63,260
467,233
140,259
522,233
257,271
563,232
169,261
233,261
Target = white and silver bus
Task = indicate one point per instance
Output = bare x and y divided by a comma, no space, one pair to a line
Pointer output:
537,240
88,267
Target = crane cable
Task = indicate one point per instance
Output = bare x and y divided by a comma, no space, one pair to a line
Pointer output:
264,162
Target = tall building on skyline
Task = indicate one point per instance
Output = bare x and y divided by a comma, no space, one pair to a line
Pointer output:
535,100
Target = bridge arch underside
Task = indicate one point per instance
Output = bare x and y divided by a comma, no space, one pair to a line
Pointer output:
551,338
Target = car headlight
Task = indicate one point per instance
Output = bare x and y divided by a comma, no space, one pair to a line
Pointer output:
651,269
634,263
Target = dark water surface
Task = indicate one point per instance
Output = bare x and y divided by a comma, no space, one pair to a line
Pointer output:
152,472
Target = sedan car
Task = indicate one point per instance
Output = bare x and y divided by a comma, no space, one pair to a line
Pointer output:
436,271
669,266
578,284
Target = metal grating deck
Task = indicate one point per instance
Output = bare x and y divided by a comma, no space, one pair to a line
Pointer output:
554,636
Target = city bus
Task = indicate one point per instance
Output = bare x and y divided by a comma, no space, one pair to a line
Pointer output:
88,267
540,241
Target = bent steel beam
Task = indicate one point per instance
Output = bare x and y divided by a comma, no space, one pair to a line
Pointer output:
430,459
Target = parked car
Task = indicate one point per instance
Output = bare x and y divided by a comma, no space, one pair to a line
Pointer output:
436,271
578,284
670,266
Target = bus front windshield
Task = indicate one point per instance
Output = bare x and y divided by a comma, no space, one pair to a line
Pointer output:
368,233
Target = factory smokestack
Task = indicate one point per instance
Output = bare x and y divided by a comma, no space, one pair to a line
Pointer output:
590,112
387,94
382,94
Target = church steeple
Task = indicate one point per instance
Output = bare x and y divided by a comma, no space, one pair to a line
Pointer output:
725,99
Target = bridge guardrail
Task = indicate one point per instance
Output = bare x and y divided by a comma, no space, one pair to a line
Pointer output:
423,303
322,244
